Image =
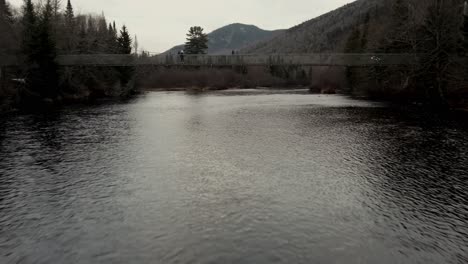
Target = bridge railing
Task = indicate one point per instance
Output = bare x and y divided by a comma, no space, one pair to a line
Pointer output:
285,60
324,59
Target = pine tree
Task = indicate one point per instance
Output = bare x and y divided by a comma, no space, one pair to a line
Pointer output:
56,21
39,49
48,68
465,28
125,42
8,40
29,46
125,47
5,11
102,36
29,20
69,16
111,41
102,25
197,41
70,29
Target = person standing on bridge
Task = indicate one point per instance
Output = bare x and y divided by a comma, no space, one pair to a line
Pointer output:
181,55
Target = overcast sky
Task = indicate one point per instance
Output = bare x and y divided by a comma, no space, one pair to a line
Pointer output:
161,24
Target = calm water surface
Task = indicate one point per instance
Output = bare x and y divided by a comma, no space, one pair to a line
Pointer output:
234,177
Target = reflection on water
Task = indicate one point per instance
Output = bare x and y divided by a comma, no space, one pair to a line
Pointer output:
234,177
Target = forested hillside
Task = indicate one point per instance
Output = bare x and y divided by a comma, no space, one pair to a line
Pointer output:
8,39
324,33
433,28
38,32
233,37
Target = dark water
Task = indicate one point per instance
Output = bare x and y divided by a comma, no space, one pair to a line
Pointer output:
234,177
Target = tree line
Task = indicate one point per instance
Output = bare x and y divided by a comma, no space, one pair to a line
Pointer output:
45,30
436,29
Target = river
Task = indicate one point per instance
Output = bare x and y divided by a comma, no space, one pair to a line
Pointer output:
240,176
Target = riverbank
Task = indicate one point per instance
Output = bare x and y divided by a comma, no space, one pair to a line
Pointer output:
215,78
15,98
12,103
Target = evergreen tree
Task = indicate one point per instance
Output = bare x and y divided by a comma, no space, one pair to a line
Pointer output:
125,47
125,42
5,11
69,15
39,49
111,41
29,46
70,39
197,41
48,68
29,33
465,27
102,36
56,22
8,40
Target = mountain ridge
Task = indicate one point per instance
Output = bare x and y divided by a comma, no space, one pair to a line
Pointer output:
325,33
235,36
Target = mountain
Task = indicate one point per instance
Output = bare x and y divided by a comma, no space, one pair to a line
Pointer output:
325,33
233,37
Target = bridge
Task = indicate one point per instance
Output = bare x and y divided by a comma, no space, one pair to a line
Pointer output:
325,59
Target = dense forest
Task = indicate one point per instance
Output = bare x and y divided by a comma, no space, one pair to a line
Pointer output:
436,28
38,32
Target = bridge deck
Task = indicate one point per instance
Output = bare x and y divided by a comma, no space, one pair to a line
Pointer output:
231,60
246,60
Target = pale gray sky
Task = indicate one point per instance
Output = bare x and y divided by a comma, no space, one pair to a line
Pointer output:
161,24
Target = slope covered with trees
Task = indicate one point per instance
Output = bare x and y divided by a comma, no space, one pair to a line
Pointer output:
322,34
44,30
224,40
8,44
8,40
431,28
435,28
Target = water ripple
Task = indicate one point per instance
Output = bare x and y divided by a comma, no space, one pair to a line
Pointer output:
234,177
